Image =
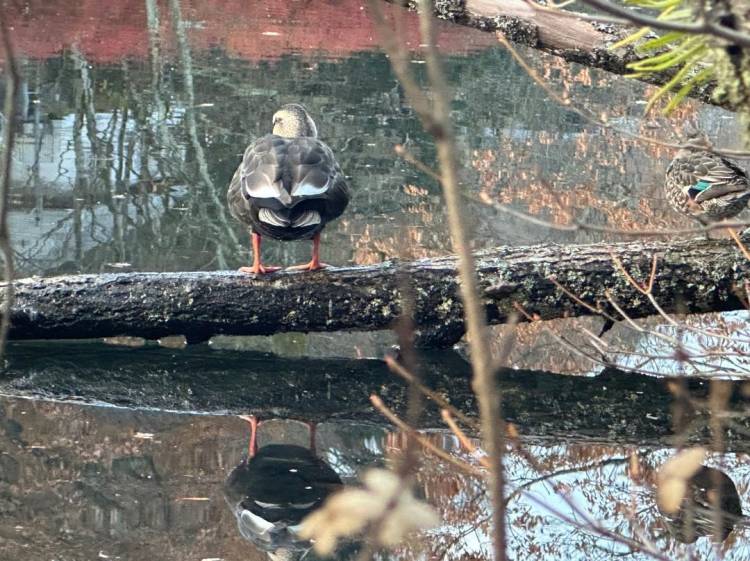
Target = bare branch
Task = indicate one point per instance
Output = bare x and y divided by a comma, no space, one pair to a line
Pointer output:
593,119
396,368
12,81
484,383
463,439
424,442
699,27
577,226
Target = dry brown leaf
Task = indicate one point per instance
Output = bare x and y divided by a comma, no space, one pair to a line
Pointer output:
672,478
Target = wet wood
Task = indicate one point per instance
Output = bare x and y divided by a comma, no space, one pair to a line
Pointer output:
691,276
552,30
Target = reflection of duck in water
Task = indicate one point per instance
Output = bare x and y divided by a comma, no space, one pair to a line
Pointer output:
273,489
698,516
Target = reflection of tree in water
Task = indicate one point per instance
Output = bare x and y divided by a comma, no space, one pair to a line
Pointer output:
149,484
154,144
606,487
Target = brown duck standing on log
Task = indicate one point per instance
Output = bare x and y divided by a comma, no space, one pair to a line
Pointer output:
288,186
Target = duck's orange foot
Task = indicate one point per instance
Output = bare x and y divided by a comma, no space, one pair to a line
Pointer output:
311,266
258,269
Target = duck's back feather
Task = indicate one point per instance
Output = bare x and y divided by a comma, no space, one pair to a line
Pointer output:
288,188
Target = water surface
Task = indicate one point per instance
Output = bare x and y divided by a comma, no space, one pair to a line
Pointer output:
135,118
77,482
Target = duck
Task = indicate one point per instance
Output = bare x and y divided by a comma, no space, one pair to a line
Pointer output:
696,515
704,185
288,187
273,488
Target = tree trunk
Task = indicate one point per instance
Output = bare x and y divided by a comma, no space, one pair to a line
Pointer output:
691,276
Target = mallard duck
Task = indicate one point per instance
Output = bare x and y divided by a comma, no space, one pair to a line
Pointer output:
696,516
288,186
704,185
274,488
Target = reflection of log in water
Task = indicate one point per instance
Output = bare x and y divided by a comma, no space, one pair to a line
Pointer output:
612,407
691,276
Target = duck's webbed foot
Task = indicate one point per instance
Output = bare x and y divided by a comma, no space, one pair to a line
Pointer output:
315,264
258,269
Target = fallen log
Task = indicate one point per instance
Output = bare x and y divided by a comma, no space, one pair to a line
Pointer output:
691,276
558,32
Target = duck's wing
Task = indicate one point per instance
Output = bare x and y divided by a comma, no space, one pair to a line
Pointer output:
237,203
315,173
262,172
715,177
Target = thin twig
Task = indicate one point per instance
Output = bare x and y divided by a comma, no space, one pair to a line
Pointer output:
484,383
577,226
704,27
463,439
739,243
592,118
424,442
401,150
640,288
398,369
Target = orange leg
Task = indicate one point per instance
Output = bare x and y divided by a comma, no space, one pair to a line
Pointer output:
252,446
257,268
315,263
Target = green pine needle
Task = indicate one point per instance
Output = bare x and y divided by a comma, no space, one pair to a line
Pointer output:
689,56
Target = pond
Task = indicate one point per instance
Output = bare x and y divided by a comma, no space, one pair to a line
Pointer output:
135,116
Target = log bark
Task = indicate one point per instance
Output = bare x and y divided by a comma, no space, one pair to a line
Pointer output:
691,276
564,34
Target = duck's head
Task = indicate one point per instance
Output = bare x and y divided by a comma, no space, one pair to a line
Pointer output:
293,120
696,139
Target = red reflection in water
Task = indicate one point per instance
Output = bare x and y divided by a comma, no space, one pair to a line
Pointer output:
253,30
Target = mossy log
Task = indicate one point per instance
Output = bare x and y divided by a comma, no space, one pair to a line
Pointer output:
691,276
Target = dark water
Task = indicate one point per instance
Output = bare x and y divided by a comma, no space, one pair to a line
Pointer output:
145,478
131,132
